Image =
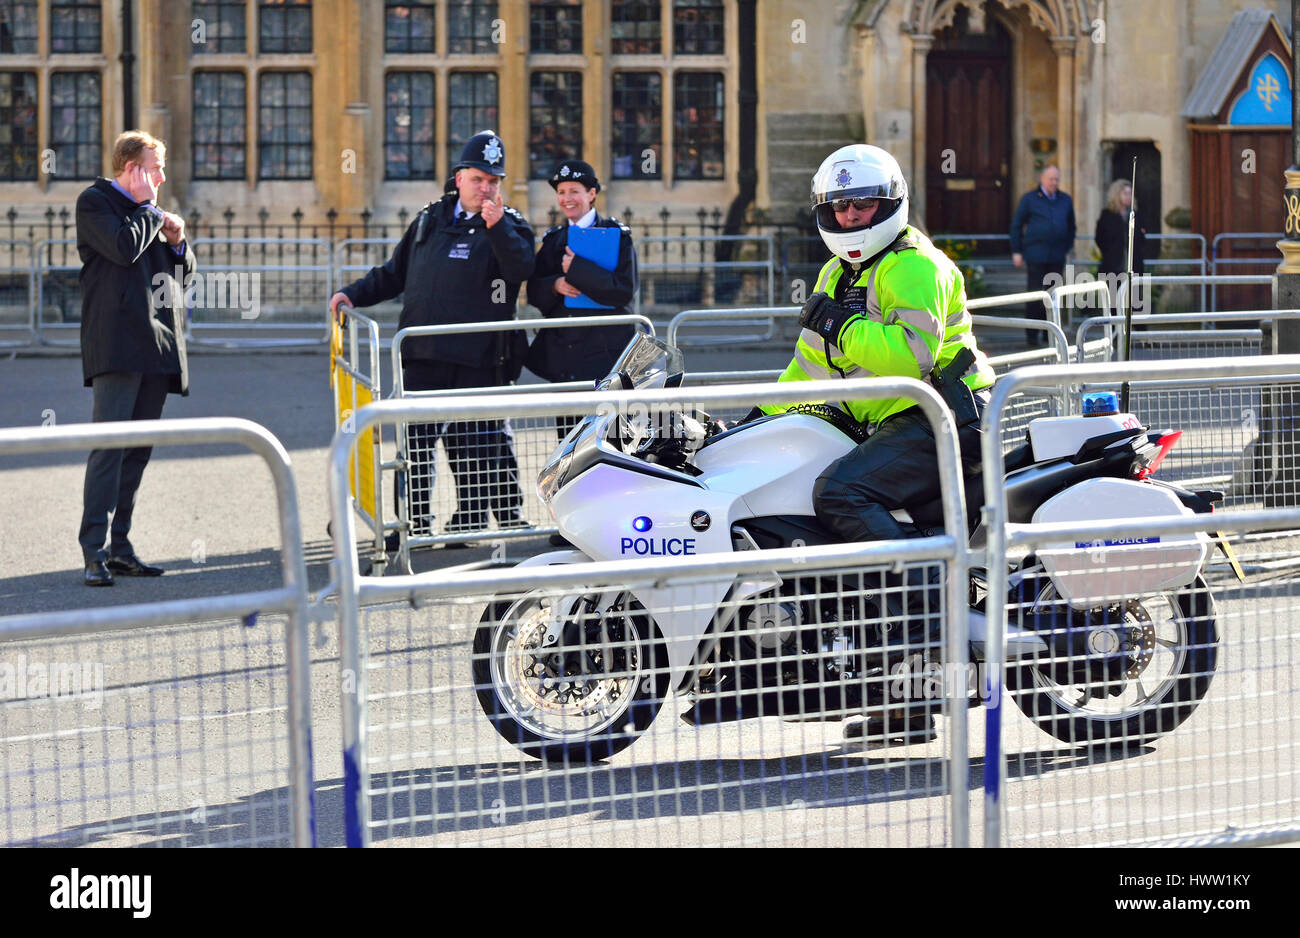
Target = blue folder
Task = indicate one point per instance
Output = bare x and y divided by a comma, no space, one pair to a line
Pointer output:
598,245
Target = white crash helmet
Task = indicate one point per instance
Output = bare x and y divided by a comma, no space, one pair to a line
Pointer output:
860,171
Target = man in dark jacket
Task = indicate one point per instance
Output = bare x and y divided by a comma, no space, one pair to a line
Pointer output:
135,266
579,354
1042,234
463,259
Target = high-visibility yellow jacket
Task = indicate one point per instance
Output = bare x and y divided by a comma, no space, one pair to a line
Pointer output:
915,320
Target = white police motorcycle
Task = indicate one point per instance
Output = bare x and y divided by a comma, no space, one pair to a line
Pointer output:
1097,653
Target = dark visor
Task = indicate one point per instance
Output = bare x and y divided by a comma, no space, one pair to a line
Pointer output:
888,190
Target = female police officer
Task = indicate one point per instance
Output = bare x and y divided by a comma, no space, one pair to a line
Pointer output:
579,354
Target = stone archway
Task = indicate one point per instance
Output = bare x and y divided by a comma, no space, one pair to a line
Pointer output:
1066,19
1064,24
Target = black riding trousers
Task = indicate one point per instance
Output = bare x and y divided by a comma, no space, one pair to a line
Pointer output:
897,467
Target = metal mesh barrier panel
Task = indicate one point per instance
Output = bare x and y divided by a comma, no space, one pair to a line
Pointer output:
1163,717
548,718
172,736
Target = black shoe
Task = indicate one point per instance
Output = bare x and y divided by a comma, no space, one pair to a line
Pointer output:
97,574
131,565
897,727
559,540
392,541
512,520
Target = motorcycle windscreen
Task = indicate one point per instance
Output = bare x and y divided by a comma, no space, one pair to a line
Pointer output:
645,363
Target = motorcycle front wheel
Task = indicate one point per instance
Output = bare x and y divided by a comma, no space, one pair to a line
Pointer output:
574,678
1166,672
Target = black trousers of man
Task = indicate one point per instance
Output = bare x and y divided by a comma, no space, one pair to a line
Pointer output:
113,475
481,454
1034,277
896,467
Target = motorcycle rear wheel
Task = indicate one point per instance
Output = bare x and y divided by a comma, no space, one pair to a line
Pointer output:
1186,654
584,696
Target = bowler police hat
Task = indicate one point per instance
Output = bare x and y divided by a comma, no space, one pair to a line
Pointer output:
574,171
483,151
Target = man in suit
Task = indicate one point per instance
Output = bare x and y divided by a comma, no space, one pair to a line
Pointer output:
135,264
1042,234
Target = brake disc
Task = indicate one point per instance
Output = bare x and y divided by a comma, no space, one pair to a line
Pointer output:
1146,647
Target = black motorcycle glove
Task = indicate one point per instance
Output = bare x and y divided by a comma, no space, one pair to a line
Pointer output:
826,317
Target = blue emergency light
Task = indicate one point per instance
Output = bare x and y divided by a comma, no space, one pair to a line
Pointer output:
1100,404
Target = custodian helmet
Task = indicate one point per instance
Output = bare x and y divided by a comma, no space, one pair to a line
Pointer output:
483,151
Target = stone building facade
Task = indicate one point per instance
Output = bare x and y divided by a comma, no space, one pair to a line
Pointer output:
726,105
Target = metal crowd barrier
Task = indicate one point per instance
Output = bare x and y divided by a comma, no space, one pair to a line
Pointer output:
23,278
241,301
715,282
1225,775
234,304
741,316
1187,343
1033,405
196,728
335,262
1269,239
356,385
490,452
1094,290
1213,281
1051,313
60,290
424,765
1200,262
1233,430
756,315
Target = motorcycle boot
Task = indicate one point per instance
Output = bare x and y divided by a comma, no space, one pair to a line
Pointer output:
912,624
902,706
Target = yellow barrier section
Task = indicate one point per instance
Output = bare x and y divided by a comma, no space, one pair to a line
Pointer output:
349,397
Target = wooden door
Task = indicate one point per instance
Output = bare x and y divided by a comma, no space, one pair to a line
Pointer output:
968,138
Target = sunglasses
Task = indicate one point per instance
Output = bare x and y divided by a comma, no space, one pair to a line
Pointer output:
842,205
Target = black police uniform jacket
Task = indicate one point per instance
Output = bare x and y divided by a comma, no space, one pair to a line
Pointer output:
581,354
132,299
448,271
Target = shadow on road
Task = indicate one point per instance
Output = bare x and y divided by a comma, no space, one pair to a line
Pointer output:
494,798
216,575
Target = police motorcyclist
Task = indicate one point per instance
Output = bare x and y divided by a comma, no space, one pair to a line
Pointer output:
887,303
463,259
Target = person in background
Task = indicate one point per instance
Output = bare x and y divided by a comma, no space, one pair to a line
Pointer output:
579,354
1042,234
132,336
463,259
1112,237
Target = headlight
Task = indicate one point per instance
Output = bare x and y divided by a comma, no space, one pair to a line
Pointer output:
552,477
576,454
